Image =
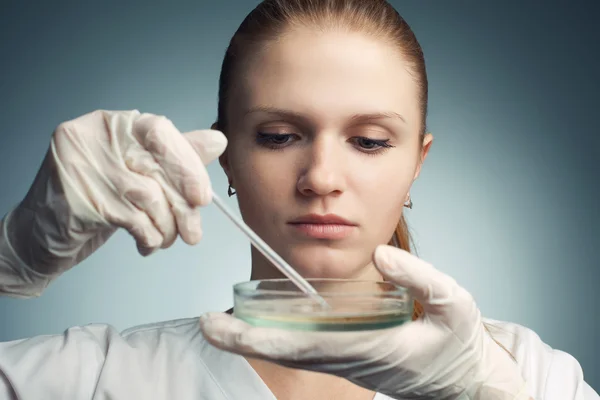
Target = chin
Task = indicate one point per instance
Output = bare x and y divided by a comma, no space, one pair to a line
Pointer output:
322,262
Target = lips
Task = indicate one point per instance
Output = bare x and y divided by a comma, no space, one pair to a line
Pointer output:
327,219
329,226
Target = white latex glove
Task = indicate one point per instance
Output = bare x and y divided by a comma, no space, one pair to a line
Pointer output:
446,354
110,169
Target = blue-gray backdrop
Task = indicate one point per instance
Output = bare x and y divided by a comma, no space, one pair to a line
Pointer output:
507,203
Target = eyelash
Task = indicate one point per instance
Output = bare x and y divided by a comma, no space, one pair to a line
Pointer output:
269,140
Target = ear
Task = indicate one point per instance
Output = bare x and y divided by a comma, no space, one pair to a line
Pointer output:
224,158
427,142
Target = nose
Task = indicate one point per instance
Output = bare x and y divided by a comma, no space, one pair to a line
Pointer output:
322,174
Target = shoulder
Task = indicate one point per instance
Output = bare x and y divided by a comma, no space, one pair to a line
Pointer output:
179,352
175,350
522,342
550,373
178,327
179,334
179,339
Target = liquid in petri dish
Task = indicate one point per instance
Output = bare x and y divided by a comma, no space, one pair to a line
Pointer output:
354,305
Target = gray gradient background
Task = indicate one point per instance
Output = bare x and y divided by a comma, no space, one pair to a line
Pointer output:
507,202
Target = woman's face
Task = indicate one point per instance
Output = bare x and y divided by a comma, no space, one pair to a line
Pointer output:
323,148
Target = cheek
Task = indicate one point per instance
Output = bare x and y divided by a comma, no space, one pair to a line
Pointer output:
386,179
382,192
256,173
261,188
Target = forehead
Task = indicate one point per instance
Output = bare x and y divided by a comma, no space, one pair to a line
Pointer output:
328,75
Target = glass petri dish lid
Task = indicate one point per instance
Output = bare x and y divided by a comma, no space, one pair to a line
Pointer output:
354,305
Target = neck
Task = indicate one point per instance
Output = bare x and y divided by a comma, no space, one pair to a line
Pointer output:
293,384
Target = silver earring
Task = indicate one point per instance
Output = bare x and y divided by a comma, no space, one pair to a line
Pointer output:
409,204
230,191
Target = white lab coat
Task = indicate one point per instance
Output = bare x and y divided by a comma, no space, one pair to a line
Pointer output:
171,360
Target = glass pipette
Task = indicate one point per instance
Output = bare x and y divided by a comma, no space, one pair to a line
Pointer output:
269,253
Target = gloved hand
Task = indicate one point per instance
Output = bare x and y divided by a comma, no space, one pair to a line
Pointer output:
110,169
445,354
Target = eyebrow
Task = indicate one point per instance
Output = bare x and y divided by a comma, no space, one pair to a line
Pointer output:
356,118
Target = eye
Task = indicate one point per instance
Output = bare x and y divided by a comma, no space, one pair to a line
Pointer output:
275,140
369,145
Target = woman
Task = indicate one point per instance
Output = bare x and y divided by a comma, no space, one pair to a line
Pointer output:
323,105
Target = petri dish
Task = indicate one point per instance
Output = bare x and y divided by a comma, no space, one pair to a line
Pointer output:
354,305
